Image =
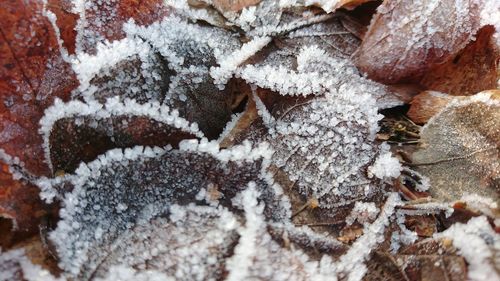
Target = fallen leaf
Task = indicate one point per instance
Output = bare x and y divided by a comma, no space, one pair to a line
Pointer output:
461,148
21,205
406,39
101,21
33,72
427,104
472,70
234,5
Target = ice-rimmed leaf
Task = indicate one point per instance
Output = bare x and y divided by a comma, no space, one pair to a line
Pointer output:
325,145
111,194
460,155
76,131
167,62
189,245
405,39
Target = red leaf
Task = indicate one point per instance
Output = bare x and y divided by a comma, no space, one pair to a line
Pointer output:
32,74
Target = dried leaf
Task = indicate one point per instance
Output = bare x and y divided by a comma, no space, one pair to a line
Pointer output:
33,73
101,21
461,148
19,202
406,39
472,70
427,104
119,190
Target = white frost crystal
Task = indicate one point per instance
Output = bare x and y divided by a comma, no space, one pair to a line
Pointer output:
386,166
194,211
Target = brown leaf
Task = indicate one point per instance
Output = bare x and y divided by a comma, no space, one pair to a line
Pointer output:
20,203
105,19
427,104
32,74
472,70
74,141
407,38
234,5
66,22
460,152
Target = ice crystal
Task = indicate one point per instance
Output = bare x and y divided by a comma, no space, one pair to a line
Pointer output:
118,190
15,265
168,62
406,38
478,243
178,207
323,144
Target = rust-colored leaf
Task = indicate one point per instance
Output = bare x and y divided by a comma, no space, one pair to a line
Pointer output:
20,203
427,104
472,70
105,19
407,38
32,74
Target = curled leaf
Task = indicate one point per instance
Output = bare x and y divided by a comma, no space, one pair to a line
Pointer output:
406,39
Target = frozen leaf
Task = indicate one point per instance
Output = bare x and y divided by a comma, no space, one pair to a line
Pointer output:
178,245
478,243
313,60
143,78
113,193
168,62
324,144
427,104
16,266
461,148
234,5
33,73
332,5
417,265
77,131
101,21
19,202
406,39
65,19
472,70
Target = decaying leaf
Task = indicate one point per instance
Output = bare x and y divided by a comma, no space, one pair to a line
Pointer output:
120,189
460,152
300,190
427,104
77,132
472,70
33,73
20,204
101,21
407,38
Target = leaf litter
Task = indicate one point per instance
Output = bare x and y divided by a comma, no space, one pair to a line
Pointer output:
159,198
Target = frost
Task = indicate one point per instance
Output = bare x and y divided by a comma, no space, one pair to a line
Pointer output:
14,265
362,212
191,245
111,108
167,62
114,193
353,261
462,151
386,166
228,65
318,70
323,144
406,38
477,242
256,249
191,210
122,272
